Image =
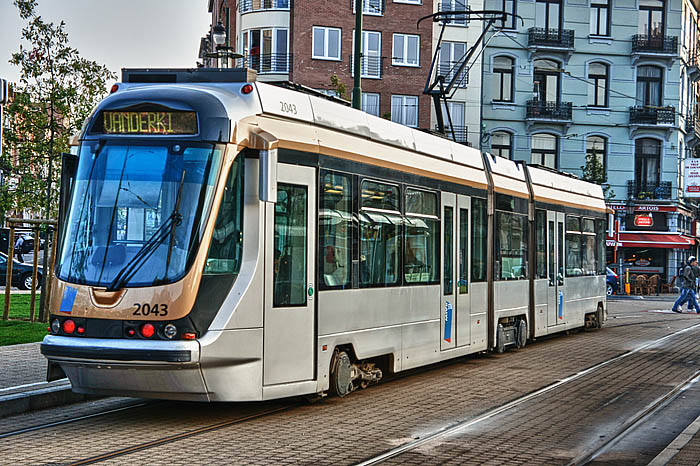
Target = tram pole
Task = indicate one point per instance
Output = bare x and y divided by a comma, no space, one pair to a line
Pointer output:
357,58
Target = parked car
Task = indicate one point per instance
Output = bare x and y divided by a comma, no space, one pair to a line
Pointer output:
612,281
21,274
28,245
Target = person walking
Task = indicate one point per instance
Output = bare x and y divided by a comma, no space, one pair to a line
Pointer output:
19,245
688,287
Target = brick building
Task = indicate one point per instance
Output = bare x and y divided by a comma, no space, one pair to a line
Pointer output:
309,41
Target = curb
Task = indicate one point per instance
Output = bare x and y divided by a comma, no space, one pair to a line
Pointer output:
676,446
18,403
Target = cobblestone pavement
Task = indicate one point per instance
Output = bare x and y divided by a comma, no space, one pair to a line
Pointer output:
21,364
547,430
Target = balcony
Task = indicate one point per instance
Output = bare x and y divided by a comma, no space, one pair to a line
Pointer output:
652,116
660,47
369,7
270,63
551,40
548,112
247,6
372,67
648,191
449,71
692,129
445,6
460,134
693,68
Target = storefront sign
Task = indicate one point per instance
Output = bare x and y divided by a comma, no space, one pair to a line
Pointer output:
691,181
644,208
643,221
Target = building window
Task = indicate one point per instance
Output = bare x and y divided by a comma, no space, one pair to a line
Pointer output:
503,82
649,86
501,144
544,150
651,18
508,6
457,117
371,61
600,14
548,14
647,165
326,43
598,87
455,5
412,2
406,50
547,76
370,103
404,110
267,50
452,55
370,7
595,147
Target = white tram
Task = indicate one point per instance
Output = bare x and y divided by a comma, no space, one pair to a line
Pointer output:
227,240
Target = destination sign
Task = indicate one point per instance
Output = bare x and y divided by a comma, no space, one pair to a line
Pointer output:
132,122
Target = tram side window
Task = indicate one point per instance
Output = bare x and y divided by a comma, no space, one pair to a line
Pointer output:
334,224
573,246
380,234
226,248
600,246
541,244
479,239
588,249
510,246
289,277
421,238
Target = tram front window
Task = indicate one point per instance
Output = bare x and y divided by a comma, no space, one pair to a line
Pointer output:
137,211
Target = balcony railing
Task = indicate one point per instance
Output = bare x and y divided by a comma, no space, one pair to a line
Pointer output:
644,115
541,110
692,126
369,7
459,5
449,70
642,43
648,190
267,63
372,67
246,6
460,134
558,38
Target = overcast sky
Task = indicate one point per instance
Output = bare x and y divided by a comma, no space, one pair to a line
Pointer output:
119,34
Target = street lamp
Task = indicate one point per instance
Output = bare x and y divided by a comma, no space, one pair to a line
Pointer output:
218,33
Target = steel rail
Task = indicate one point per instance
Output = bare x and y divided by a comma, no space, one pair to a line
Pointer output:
176,437
635,421
454,428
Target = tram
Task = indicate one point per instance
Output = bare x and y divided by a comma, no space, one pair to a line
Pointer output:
230,240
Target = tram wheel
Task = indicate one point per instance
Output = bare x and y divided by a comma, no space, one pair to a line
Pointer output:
500,339
342,375
521,339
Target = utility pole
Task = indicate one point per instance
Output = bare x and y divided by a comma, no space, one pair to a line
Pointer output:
357,58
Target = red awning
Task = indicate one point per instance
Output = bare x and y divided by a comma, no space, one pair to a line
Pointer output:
648,240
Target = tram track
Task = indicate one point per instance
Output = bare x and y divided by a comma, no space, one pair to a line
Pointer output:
181,436
456,427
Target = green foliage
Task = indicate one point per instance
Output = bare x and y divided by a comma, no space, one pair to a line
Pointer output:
594,172
15,332
339,86
57,90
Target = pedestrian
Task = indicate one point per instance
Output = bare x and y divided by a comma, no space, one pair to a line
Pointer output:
19,244
688,287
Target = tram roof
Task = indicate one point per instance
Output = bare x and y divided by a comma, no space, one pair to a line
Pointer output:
555,188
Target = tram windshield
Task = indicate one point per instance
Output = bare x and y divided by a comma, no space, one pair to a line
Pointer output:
137,211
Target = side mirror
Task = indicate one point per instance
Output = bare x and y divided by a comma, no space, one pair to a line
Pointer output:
69,168
267,185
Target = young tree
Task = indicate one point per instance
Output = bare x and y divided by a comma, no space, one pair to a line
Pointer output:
56,91
594,172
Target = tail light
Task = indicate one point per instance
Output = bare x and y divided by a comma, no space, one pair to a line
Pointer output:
68,326
147,330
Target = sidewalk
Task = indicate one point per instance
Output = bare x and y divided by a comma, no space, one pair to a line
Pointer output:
23,385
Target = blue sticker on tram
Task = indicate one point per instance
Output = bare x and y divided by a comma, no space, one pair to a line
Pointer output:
448,322
561,305
68,299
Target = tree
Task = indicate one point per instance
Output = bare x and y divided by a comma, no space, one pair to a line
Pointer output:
56,91
594,172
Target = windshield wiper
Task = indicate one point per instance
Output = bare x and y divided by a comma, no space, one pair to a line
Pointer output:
151,245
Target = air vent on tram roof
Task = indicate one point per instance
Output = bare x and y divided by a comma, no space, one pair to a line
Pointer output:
188,75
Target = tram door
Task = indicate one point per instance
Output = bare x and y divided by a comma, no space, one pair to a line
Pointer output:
455,320
555,245
290,292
